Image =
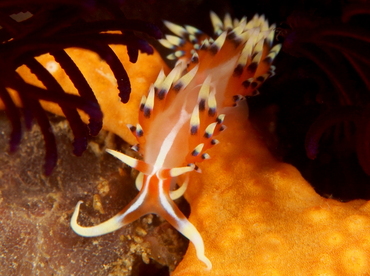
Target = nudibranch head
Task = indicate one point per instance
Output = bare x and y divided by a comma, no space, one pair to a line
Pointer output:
179,117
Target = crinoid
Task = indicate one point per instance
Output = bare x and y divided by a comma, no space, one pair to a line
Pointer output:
333,48
51,27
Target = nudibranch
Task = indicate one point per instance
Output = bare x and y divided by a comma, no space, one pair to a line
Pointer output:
184,111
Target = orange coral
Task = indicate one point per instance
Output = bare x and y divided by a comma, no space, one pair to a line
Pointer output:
103,83
258,216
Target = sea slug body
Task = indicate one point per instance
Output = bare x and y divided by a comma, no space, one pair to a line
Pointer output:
184,111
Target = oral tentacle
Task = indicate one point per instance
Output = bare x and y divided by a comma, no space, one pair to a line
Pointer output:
130,213
177,219
93,231
175,194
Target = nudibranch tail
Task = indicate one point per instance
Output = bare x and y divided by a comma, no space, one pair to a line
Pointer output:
183,112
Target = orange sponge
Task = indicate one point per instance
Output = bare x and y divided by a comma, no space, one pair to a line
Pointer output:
258,216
